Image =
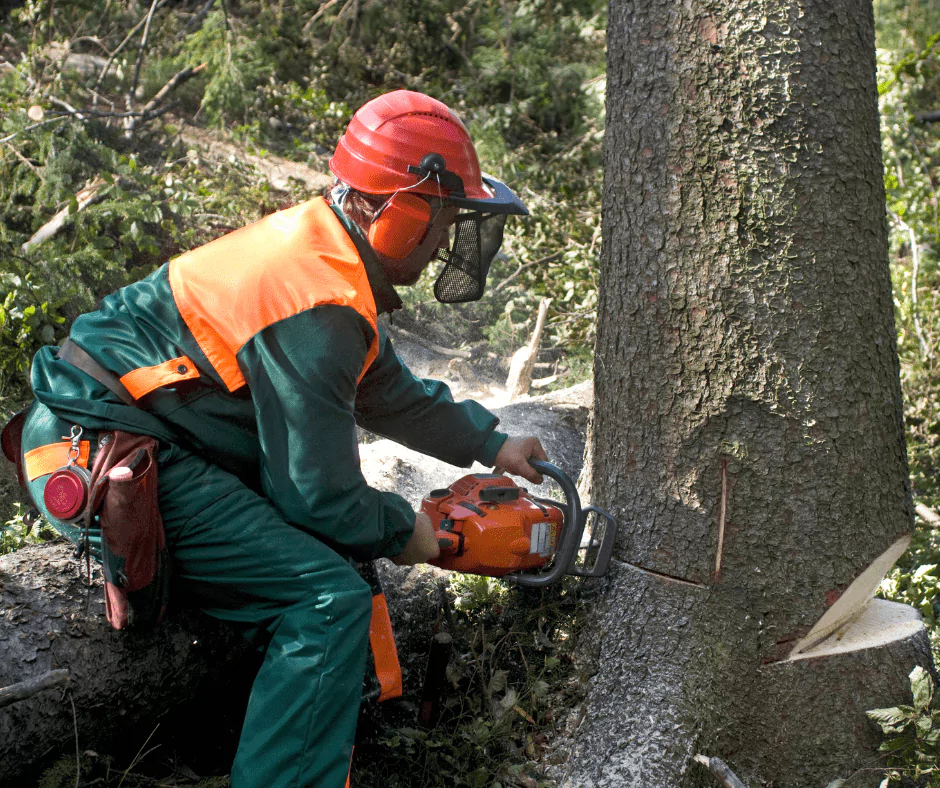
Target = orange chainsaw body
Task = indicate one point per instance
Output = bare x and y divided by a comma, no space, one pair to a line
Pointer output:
486,525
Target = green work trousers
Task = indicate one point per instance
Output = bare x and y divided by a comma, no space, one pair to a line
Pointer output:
235,557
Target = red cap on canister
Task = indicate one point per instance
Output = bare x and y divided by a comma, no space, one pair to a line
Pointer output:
65,494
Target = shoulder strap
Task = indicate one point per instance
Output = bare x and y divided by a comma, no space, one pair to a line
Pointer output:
74,355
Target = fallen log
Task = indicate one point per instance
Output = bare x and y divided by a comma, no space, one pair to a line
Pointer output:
50,620
278,171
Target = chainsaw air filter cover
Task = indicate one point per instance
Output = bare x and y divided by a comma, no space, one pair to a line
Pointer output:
486,525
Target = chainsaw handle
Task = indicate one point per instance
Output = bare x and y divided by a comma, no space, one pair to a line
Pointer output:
448,543
570,533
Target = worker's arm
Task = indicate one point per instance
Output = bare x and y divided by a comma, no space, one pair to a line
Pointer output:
422,415
303,373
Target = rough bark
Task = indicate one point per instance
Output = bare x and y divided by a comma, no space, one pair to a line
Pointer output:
748,423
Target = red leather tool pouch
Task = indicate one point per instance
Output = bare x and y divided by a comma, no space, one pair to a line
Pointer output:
11,439
133,545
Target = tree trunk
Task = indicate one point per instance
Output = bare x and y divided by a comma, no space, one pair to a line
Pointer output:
748,422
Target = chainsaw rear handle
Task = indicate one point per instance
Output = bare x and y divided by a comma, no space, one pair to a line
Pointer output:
575,519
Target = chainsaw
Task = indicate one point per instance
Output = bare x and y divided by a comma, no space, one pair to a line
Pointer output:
486,525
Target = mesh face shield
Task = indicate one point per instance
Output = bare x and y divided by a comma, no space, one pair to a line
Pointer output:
475,240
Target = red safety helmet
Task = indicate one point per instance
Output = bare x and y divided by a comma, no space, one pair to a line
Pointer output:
405,144
407,140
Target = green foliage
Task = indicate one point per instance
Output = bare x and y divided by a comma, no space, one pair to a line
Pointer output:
526,75
509,682
18,531
97,770
917,588
236,67
913,749
152,200
27,322
910,82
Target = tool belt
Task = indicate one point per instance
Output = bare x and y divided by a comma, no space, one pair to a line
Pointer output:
120,492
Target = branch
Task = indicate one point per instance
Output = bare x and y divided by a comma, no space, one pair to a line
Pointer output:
175,81
87,196
322,10
22,158
550,259
928,117
538,383
66,106
30,82
195,18
78,757
151,109
140,55
90,39
9,137
116,52
720,770
26,689
928,515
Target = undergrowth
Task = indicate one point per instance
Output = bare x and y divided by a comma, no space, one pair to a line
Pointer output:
912,746
511,683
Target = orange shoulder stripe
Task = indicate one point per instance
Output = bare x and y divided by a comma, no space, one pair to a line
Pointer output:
46,459
232,288
144,380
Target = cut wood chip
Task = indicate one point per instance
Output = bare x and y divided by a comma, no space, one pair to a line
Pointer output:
854,598
879,623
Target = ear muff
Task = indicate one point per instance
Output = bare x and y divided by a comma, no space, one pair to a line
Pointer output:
400,225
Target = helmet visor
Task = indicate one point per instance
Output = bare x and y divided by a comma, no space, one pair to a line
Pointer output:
501,199
476,238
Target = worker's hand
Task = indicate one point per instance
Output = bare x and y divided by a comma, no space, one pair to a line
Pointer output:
422,546
514,457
